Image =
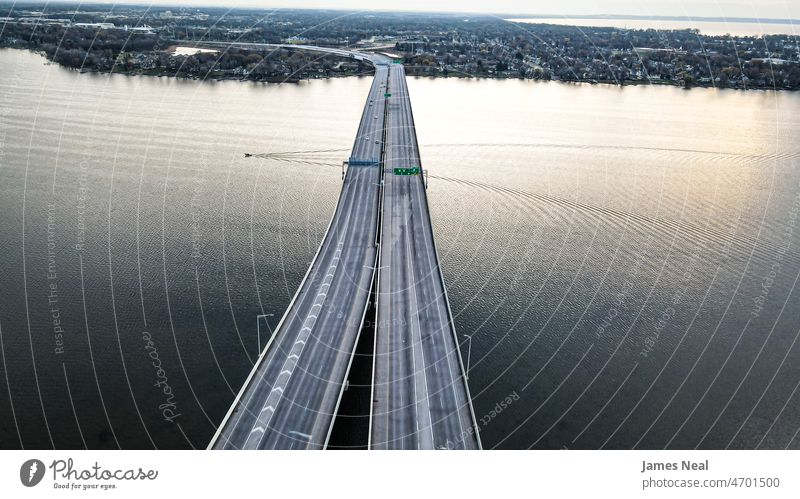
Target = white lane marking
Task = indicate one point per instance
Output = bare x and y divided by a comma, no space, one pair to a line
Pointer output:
259,429
423,403
300,434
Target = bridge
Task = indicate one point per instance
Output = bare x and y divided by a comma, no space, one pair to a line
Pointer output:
379,243
420,397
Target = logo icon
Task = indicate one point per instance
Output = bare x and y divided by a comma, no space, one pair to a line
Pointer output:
31,472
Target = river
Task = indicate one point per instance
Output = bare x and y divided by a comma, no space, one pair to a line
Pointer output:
710,28
623,260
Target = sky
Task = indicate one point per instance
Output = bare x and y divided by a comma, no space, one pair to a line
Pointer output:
781,9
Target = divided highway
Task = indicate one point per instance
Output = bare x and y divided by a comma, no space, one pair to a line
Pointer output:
290,399
420,394
380,237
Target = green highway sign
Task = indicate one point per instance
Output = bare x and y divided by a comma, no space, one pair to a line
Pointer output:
387,95
406,171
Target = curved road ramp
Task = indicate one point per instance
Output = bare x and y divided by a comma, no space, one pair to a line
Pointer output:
379,241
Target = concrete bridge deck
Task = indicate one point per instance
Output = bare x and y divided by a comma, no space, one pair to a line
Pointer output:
290,398
381,229
420,395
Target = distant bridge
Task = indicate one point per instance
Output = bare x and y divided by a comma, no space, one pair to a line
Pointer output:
379,243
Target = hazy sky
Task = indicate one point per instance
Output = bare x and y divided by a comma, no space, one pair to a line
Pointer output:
720,8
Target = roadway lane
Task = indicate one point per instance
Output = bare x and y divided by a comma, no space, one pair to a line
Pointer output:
290,399
420,396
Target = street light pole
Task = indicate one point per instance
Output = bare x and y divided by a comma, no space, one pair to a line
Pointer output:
469,354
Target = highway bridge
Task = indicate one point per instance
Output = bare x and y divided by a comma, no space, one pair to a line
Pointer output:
420,396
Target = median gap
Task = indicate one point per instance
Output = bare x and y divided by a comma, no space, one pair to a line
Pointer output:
351,423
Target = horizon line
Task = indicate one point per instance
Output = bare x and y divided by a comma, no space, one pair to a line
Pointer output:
502,15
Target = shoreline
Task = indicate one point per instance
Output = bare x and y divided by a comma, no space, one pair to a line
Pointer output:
161,73
626,83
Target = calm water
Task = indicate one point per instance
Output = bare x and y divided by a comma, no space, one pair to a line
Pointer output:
624,260
705,27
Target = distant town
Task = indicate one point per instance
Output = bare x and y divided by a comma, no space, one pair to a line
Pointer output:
216,43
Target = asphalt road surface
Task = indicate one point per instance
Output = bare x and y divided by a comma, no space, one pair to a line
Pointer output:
290,398
420,395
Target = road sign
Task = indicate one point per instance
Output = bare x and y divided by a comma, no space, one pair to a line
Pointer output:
362,161
407,171
387,95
